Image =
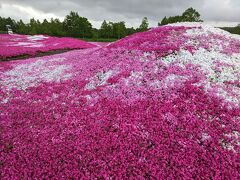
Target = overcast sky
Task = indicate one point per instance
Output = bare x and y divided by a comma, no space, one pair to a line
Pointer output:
217,12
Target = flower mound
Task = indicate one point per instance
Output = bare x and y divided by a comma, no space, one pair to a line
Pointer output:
162,104
17,45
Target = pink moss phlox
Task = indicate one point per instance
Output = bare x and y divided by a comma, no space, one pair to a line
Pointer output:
16,45
119,112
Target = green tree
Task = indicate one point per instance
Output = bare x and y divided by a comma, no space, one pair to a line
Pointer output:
33,26
119,29
144,25
46,27
56,27
189,15
95,34
22,28
7,21
71,24
77,26
106,30
164,21
130,31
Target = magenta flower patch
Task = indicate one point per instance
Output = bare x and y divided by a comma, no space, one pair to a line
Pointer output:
17,45
163,104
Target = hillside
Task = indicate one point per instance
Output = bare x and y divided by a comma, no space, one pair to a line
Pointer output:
159,104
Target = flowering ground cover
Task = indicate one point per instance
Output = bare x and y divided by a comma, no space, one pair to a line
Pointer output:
162,104
17,45
100,44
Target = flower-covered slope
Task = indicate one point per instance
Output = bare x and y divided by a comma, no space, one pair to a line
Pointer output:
17,45
162,104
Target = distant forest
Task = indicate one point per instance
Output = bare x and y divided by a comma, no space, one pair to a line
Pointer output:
80,27
233,30
72,26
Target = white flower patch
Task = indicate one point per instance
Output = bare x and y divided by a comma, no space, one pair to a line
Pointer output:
205,29
227,146
37,37
215,44
224,94
32,41
56,59
169,82
31,74
134,79
144,57
205,136
92,99
206,61
28,44
99,79
5,100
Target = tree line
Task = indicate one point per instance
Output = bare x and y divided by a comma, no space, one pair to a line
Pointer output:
73,25
233,30
189,15
76,26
